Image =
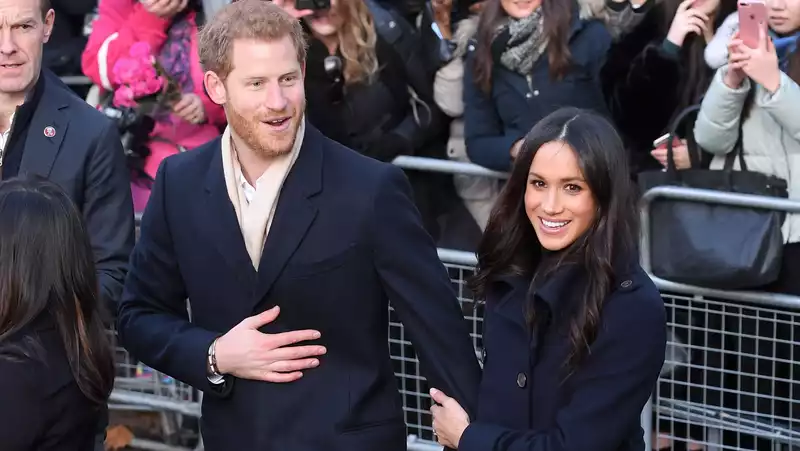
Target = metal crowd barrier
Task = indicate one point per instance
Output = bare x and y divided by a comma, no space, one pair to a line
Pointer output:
76,80
731,378
728,378
729,375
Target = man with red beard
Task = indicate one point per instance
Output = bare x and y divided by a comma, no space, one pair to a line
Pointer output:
289,247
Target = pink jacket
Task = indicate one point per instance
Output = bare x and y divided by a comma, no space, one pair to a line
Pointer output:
120,24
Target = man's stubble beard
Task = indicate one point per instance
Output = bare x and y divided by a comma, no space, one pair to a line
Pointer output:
247,131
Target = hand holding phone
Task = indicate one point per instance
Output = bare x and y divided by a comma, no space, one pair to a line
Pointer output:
680,153
661,142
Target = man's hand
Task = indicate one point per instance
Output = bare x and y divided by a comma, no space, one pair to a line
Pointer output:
247,353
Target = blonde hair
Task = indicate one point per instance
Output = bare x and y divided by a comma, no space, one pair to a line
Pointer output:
357,40
246,19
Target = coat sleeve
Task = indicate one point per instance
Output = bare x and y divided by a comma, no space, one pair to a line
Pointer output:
153,322
23,414
611,388
448,88
119,24
640,83
783,105
424,121
487,142
108,212
716,129
716,52
420,291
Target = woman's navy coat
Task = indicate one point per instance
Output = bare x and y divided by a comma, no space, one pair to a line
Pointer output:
525,403
492,123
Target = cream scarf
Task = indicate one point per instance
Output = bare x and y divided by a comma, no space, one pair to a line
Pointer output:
255,217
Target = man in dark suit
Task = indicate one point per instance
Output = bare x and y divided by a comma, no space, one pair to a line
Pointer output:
288,247
47,131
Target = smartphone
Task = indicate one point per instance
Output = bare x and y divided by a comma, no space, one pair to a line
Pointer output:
301,5
752,19
661,142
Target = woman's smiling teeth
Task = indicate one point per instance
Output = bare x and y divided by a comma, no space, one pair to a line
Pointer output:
553,225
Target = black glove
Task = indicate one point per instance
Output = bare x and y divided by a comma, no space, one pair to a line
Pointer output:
385,148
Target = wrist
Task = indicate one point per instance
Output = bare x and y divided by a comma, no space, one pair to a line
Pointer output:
733,81
212,363
773,83
671,46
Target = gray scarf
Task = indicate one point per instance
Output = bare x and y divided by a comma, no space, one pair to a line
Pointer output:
526,44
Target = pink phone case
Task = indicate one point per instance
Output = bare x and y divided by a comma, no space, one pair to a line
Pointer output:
752,18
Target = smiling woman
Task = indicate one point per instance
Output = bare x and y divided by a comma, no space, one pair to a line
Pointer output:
558,200
574,330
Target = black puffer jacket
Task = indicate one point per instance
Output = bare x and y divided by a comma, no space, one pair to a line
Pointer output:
385,118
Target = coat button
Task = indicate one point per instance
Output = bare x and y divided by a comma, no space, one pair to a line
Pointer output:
522,379
536,92
528,95
626,284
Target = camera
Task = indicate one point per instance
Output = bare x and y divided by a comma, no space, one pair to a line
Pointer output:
312,4
125,118
134,129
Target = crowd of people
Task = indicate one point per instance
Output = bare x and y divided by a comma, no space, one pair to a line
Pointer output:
225,123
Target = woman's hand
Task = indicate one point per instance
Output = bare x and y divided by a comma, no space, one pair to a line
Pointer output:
441,15
190,108
680,154
289,7
477,7
734,76
164,8
687,20
449,419
761,63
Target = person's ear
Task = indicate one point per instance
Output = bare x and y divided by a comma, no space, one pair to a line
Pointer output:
49,20
215,88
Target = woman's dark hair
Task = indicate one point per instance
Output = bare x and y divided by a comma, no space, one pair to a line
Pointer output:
510,246
698,75
557,20
47,269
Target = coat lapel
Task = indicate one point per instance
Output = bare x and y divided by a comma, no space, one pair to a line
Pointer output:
295,211
221,217
46,132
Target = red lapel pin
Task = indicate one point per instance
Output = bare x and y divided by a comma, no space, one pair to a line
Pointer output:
49,131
